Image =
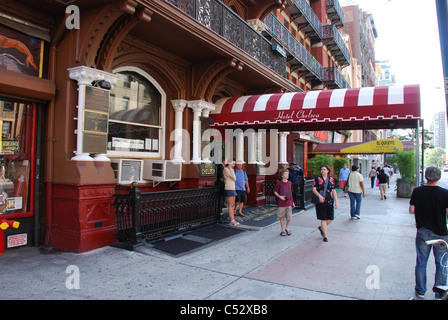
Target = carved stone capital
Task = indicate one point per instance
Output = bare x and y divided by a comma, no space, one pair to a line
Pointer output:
179,105
85,75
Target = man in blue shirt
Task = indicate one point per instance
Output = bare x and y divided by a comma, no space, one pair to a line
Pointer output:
343,175
294,173
241,187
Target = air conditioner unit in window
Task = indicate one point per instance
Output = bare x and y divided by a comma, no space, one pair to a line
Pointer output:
127,171
162,170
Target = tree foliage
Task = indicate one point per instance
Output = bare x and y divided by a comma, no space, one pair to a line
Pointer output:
434,157
405,162
318,161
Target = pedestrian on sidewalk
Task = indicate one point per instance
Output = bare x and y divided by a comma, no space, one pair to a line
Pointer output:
356,192
241,187
219,182
382,183
324,189
230,193
283,192
295,172
387,172
372,175
429,203
343,175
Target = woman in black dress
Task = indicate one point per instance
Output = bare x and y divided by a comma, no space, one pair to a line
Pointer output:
323,188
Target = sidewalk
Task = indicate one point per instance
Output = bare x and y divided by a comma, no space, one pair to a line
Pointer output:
371,258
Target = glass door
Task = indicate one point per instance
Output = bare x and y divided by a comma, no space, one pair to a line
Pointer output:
17,158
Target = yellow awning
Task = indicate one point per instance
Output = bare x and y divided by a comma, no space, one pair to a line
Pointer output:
378,146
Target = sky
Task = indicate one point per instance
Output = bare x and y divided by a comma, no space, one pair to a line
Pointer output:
408,36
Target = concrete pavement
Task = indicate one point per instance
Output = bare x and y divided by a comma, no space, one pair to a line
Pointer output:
372,258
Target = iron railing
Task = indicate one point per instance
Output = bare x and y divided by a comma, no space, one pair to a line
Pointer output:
221,19
310,16
151,215
332,74
334,4
278,30
330,32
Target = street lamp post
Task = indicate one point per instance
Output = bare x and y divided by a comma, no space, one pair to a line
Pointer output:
442,17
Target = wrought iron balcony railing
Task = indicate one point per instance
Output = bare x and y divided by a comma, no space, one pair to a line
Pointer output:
218,17
333,39
334,78
335,12
295,50
307,20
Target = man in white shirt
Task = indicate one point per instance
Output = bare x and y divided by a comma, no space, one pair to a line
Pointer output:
355,191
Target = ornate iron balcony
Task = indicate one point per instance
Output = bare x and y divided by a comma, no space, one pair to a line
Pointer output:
307,20
334,78
335,12
333,39
295,50
218,17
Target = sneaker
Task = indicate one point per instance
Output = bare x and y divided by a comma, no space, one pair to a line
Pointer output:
419,295
357,217
325,239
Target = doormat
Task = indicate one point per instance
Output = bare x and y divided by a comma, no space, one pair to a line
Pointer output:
260,217
194,240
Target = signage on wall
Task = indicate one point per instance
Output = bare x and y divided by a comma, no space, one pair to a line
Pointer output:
95,120
17,240
207,170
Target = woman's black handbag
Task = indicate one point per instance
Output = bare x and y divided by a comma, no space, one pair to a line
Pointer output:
328,201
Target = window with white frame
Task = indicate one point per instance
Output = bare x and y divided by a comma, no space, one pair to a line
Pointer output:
136,115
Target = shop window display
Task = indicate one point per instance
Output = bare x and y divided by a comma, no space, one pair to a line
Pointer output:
16,123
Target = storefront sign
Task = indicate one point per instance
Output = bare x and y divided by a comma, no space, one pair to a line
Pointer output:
10,147
207,170
17,240
95,120
378,146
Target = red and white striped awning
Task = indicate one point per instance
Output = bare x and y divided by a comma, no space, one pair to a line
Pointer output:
381,104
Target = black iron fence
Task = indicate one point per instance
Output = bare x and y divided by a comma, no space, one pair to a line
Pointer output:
304,193
152,215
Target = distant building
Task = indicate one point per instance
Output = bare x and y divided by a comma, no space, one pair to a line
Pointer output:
360,26
386,75
438,127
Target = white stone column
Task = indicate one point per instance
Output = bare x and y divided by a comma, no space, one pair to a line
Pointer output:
251,147
282,152
239,145
178,106
261,135
196,106
208,107
85,76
